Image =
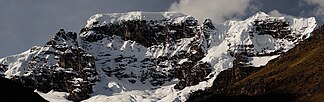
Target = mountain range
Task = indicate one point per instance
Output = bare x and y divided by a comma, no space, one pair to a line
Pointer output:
170,56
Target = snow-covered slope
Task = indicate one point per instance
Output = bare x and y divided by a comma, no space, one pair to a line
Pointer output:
164,56
102,19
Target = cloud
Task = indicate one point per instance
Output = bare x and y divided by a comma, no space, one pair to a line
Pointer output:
217,10
276,13
319,10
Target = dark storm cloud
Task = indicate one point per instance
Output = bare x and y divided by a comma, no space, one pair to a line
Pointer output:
288,7
317,10
25,23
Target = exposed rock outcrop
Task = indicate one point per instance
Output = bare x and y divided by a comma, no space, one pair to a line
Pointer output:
152,35
60,65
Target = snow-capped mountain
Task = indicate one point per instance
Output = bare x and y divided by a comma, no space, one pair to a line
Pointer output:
150,56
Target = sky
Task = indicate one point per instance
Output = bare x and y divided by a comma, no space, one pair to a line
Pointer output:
27,23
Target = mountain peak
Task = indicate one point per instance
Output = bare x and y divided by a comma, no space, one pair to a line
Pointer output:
105,18
261,13
258,16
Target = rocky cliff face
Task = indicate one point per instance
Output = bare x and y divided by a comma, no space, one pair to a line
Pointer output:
152,56
60,65
173,50
160,40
